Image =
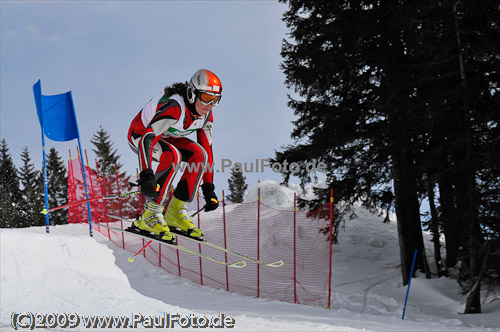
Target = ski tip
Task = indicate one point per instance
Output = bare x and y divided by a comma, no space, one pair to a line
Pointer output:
276,264
239,265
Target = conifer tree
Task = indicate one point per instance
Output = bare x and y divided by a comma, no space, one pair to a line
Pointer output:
112,181
403,93
32,191
57,186
358,113
10,194
107,157
237,185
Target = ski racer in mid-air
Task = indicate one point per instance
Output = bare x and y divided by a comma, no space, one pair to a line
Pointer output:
158,132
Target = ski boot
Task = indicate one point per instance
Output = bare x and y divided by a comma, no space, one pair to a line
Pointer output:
152,221
179,221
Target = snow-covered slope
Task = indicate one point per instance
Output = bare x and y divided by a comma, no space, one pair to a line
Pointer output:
278,196
66,271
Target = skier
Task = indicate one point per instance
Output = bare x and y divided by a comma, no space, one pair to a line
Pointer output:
158,133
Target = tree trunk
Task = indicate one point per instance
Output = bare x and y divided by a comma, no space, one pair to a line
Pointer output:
465,182
407,212
452,226
434,226
394,93
473,303
441,172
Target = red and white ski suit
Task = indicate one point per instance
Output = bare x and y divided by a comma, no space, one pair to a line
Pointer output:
158,133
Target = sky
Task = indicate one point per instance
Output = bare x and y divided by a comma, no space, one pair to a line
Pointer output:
115,55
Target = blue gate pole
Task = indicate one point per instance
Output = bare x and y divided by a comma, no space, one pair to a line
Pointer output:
45,183
409,283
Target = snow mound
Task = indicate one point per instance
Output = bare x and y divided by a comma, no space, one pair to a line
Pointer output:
279,196
272,194
34,265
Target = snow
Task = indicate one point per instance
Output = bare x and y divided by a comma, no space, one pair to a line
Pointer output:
67,271
279,196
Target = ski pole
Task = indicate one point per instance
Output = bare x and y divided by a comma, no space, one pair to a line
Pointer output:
194,214
131,259
45,211
121,195
203,208
409,283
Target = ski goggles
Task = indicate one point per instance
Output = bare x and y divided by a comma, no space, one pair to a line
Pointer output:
207,98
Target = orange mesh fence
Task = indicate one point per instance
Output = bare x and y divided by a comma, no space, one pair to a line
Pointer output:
253,229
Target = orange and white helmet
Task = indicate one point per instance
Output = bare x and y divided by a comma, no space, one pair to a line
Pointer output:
206,86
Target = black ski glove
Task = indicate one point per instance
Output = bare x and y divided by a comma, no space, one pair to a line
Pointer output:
147,182
210,197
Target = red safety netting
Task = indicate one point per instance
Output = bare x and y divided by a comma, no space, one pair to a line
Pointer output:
97,186
253,229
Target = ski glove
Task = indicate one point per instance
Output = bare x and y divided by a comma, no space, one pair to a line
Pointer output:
147,182
210,197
